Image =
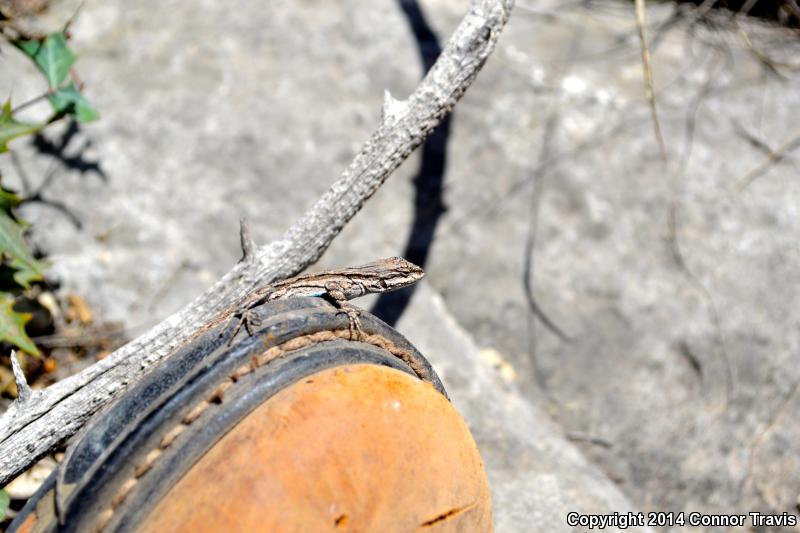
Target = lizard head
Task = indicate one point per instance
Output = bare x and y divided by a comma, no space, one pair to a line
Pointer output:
395,273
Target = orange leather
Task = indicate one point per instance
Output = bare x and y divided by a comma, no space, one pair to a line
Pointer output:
354,448
29,523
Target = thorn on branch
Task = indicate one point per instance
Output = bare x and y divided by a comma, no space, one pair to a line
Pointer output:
392,109
23,390
248,244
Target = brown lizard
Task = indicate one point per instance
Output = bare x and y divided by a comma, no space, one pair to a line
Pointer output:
339,286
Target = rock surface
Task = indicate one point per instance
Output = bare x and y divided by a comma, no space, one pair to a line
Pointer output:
676,289
536,476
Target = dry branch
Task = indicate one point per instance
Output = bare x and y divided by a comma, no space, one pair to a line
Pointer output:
29,430
650,92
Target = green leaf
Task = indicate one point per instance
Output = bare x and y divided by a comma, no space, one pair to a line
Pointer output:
8,199
5,501
70,101
14,249
29,47
52,56
11,129
12,325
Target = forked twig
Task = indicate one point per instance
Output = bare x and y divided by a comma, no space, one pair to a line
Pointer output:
773,158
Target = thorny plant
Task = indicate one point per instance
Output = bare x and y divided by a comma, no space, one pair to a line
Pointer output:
20,270
50,53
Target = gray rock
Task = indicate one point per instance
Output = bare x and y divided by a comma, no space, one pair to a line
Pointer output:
536,476
683,356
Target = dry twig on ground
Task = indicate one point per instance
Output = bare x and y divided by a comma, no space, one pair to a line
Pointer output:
648,76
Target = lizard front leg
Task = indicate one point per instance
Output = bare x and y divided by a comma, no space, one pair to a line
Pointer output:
344,306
